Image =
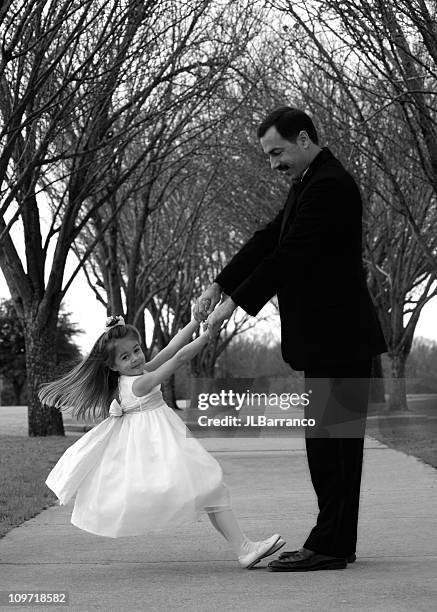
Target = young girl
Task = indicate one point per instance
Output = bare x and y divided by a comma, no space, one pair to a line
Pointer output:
139,469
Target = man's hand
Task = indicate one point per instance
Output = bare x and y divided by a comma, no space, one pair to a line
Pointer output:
206,303
220,314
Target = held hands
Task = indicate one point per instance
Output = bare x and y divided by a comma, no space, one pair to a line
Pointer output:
219,315
204,309
206,303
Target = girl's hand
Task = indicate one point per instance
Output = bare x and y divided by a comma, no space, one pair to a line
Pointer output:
206,303
207,332
219,315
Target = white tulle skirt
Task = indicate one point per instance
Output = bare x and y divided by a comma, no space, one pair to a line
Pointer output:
138,473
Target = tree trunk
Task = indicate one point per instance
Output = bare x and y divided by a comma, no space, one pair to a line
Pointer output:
17,388
115,301
40,365
141,327
377,387
398,392
169,392
203,364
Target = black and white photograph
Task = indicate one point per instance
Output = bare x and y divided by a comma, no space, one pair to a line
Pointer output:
218,305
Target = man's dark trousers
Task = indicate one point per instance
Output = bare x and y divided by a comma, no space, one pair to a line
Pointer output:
339,400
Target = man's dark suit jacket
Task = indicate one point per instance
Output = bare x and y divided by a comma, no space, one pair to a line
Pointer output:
314,265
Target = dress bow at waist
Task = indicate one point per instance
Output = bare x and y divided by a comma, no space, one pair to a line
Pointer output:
151,403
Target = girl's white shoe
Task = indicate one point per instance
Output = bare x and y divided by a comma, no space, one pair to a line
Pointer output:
260,550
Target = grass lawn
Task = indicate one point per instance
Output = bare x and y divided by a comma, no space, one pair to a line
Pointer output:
24,465
417,437
413,433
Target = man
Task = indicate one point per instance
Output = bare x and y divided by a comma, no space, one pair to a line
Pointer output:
309,255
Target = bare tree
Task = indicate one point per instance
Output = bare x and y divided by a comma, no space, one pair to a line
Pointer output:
348,69
79,81
375,59
149,257
49,66
400,278
402,284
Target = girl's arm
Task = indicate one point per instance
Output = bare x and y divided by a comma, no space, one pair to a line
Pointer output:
148,380
180,339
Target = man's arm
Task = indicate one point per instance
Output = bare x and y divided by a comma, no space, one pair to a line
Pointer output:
320,214
241,265
250,255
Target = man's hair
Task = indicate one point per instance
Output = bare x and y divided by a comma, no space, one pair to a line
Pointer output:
289,122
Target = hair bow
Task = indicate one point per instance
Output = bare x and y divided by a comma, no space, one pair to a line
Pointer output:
113,321
115,409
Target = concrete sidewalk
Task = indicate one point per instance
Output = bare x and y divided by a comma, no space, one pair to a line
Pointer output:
193,568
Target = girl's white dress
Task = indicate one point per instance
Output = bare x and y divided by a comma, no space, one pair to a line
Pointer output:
139,470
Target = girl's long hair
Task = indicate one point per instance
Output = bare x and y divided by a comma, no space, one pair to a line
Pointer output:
88,389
